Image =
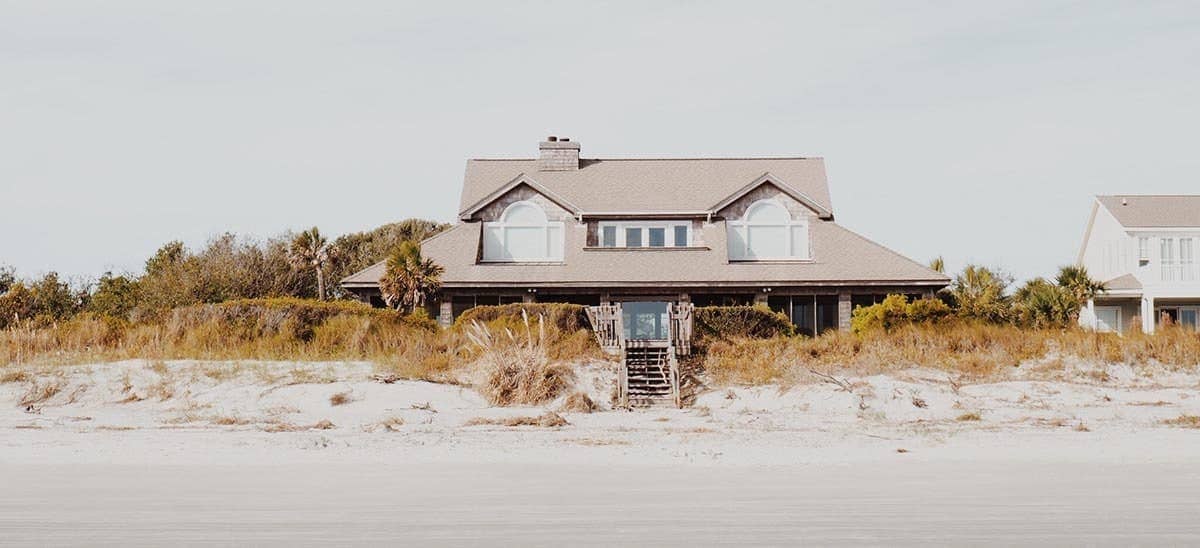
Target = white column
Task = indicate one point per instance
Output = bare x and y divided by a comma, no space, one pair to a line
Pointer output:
1091,321
1148,315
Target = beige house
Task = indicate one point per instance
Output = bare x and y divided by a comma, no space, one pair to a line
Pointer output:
1144,248
645,232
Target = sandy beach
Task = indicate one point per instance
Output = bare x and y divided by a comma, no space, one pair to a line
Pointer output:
144,453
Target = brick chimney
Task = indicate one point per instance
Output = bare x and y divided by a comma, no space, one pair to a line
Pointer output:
558,154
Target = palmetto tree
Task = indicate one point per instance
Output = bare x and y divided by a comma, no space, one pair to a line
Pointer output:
1075,279
979,293
309,249
938,264
410,278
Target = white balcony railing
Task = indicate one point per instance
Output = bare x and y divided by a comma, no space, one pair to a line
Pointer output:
1180,273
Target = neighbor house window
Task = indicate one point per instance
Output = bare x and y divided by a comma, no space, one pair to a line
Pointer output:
767,232
645,234
1143,251
1167,248
523,234
1187,259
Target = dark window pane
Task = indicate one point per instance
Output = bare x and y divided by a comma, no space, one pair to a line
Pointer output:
803,315
827,313
608,236
460,304
658,237
864,300
633,237
779,304
681,239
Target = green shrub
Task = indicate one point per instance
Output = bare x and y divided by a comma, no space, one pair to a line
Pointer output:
567,318
894,311
755,322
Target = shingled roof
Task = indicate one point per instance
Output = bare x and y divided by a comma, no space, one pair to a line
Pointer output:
1154,211
649,186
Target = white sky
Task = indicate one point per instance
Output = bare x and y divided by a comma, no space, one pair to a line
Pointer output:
974,130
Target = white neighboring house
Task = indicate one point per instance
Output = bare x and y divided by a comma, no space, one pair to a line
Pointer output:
1144,248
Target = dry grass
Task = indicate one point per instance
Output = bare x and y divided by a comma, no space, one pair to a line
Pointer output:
515,368
280,329
549,419
389,424
969,352
340,398
289,427
231,420
972,416
15,375
1184,421
578,402
42,390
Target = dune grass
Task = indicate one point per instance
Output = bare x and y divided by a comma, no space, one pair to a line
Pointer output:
973,351
410,347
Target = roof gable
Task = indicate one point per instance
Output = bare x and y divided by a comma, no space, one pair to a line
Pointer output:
517,181
769,179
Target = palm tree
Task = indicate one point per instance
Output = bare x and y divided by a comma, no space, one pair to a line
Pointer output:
979,293
1075,279
1042,304
309,249
938,264
410,278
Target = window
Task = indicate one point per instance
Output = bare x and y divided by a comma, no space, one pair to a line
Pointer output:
1167,248
523,234
1187,260
1143,251
811,315
633,237
681,236
1108,319
658,236
608,236
767,233
645,234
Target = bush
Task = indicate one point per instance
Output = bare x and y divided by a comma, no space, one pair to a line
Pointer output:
567,318
295,318
754,322
515,367
895,310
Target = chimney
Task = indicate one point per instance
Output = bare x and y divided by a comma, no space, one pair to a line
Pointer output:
558,154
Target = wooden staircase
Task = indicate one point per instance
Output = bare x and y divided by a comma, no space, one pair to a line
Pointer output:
651,376
649,373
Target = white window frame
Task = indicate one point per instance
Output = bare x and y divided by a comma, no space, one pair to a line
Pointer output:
1187,261
645,226
1119,328
742,226
553,253
1143,243
1167,258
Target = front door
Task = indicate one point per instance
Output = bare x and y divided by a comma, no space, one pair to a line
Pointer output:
645,320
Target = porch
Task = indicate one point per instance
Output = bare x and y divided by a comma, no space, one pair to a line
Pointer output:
1122,313
812,309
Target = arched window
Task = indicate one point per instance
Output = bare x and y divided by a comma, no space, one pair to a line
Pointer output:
523,233
767,232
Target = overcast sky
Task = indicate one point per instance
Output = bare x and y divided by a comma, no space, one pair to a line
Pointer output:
974,130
